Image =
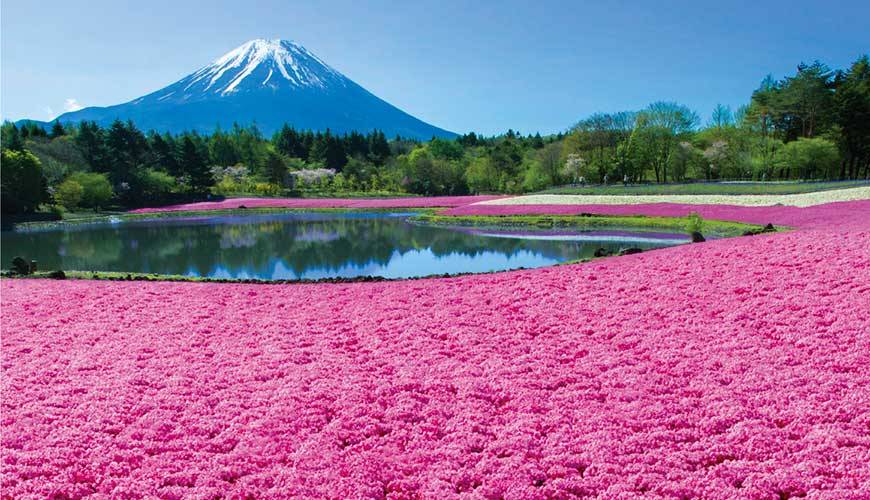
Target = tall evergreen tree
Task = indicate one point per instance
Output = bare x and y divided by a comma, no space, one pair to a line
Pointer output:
222,150
12,138
163,148
276,167
57,130
90,142
852,100
379,147
335,156
194,165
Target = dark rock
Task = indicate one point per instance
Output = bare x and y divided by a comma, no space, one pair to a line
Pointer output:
57,275
766,229
242,207
20,266
601,252
698,237
630,251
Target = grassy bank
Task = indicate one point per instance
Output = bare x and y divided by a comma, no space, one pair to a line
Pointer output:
590,222
106,217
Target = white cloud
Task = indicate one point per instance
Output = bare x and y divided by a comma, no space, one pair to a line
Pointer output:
71,104
49,112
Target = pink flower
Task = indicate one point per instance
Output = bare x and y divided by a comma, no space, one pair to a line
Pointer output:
732,368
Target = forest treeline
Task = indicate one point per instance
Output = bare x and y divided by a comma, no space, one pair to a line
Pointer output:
814,124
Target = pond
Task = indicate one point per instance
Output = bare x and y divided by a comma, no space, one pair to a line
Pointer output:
307,245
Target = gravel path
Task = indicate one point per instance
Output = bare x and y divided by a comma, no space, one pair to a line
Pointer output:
796,200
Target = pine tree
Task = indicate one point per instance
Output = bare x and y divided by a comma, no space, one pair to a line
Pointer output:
286,140
163,148
12,138
335,155
90,142
222,150
276,167
379,147
317,153
120,167
194,165
57,130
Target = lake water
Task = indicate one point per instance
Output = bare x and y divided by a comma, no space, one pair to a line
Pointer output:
306,245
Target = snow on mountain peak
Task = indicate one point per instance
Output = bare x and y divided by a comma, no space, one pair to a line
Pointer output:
269,63
269,83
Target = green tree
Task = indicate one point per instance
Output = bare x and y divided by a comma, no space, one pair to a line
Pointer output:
684,160
57,130
193,164
379,147
852,101
222,149
69,194
154,186
23,185
811,158
276,168
549,163
334,155
90,140
481,175
659,128
10,137
722,117
163,150
96,189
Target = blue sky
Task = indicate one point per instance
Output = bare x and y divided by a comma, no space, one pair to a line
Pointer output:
482,66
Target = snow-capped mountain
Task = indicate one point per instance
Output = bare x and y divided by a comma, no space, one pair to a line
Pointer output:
256,65
267,82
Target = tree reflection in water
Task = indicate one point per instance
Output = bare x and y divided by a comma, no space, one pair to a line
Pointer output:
301,245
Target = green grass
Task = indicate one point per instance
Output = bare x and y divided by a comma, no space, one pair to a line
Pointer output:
713,188
593,222
104,217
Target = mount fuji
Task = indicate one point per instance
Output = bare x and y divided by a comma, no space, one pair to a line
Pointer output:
267,82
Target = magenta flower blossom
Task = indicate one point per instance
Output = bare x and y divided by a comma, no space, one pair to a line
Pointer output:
735,368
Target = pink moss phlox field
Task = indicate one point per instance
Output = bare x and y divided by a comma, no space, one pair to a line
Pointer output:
736,368
408,202
819,215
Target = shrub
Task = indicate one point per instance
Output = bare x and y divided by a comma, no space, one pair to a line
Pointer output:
155,186
56,211
694,223
69,194
97,190
227,185
267,189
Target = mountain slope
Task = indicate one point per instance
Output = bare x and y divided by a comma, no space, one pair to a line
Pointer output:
267,82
